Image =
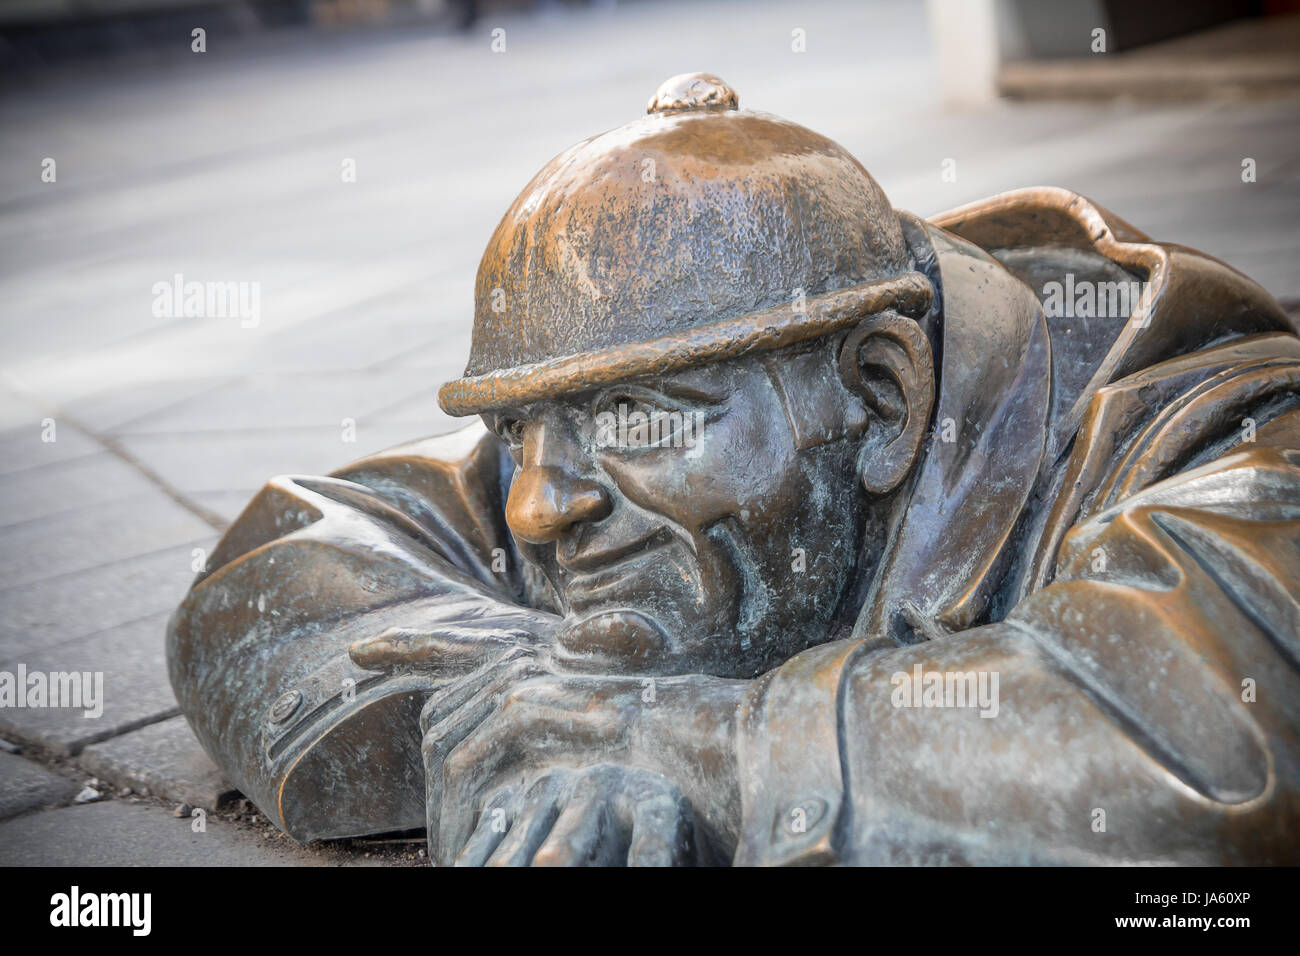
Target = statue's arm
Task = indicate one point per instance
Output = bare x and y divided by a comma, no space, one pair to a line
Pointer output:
1145,707
258,650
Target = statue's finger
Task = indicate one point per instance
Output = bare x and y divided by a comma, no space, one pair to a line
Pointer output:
586,833
449,820
531,826
662,830
493,824
534,727
453,648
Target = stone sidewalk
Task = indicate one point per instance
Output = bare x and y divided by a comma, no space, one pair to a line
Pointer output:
128,441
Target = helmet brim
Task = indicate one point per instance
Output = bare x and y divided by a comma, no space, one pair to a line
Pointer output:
910,294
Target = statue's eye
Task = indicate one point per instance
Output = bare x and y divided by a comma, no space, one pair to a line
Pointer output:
626,405
511,431
636,418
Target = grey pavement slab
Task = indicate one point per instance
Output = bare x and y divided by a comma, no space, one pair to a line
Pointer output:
53,613
226,504
203,462
442,358
163,758
122,833
135,687
285,402
22,446
94,535
104,412
418,413
48,489
26,785
377,332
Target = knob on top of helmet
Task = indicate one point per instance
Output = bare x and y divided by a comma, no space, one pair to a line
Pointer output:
693,91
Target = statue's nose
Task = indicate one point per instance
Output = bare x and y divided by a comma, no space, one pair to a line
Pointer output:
545,501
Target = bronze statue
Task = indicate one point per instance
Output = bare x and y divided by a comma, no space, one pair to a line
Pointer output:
797,530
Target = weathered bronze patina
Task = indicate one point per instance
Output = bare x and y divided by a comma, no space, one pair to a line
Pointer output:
797,529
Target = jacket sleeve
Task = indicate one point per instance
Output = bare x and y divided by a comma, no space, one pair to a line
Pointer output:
258,649
1141,708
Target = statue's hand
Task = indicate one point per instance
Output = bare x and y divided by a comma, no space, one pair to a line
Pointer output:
462,638
605,815
519,720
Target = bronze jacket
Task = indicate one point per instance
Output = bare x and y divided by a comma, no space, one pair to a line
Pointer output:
1131,589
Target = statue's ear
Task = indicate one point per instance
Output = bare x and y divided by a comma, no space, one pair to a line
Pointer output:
886,362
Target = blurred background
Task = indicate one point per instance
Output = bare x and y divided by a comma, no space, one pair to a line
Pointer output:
350,158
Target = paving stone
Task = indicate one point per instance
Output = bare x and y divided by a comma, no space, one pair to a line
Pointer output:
164,758
22,446
225,504
94,535
17,411
442,359
200,463
121,833
372,333
49,614
136,691
39,492
284,402
106,411
26,785
419,413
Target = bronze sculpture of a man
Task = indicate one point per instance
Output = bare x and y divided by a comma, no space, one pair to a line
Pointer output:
797,530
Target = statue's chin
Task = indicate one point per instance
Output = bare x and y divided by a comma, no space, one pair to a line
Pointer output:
619,640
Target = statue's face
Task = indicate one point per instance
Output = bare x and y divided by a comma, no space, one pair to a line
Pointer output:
679,523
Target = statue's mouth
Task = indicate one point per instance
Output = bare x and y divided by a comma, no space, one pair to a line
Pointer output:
617,575
585,560
613,582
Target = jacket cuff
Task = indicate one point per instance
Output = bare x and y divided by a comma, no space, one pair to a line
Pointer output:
791,775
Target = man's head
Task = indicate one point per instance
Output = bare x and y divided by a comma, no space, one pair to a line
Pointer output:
693,332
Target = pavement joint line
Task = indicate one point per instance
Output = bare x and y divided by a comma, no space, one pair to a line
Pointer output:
263,431
382,264
23,469
125,559
120,501
117,429
55,645
431,390
75,509
181,170
74,750
386,363
206,515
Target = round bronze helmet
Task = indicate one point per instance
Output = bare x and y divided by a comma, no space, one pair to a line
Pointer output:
696,233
